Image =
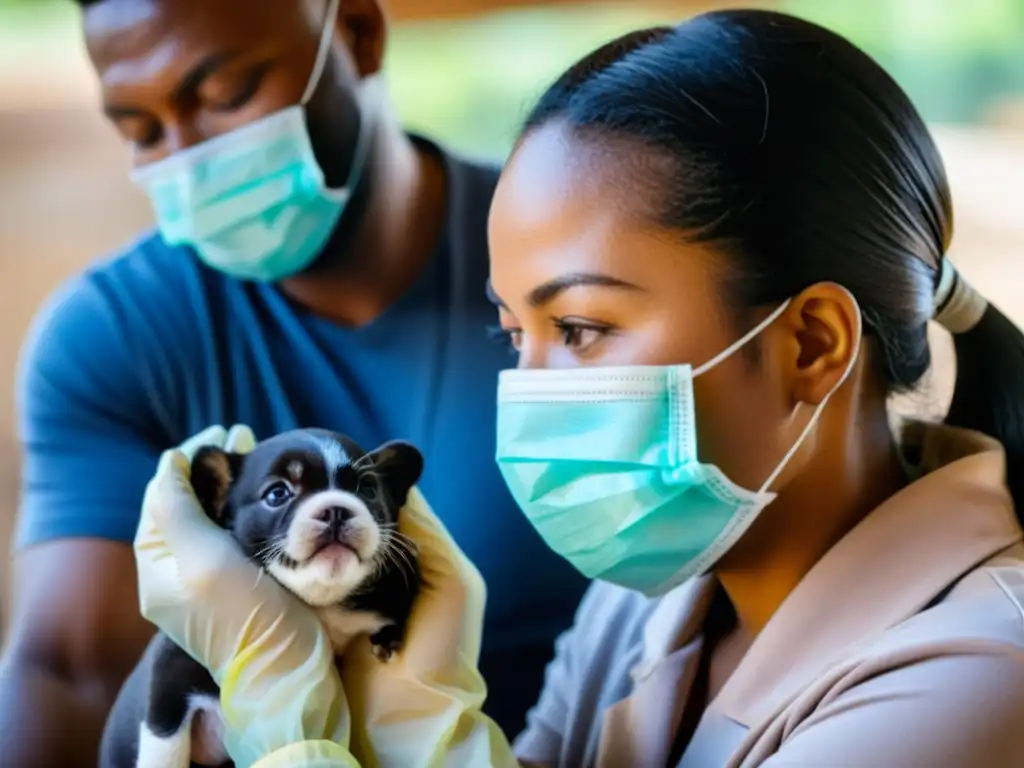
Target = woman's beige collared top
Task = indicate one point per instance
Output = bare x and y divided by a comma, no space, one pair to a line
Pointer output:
903,646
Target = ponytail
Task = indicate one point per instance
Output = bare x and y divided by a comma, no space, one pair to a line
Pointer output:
989,394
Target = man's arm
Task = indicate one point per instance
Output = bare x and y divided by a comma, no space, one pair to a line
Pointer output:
76,634
87,396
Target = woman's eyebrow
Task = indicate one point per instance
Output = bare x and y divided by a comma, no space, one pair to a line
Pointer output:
547,292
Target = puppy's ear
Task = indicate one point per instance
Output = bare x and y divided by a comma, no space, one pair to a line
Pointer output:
399,465
214,471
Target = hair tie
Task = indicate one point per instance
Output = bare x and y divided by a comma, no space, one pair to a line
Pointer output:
958,306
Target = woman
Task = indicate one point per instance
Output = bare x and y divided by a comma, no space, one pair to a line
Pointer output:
715,249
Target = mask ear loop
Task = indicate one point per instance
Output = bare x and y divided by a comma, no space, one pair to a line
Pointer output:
743,341
368,103
326,36
817,413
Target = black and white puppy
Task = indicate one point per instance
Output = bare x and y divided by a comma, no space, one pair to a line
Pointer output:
321,517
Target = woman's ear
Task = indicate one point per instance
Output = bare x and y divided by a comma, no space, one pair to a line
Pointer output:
828,336
399,465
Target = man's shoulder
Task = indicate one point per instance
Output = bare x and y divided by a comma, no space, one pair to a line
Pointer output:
145,288
471,185
146,264
479,171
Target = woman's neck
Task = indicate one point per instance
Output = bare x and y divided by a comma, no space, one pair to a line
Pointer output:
855,469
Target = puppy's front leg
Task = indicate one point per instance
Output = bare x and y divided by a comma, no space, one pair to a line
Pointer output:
165,751
182,723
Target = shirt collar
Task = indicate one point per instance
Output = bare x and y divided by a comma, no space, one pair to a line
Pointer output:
955,514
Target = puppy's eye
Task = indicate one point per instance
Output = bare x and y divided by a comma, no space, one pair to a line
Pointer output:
368,487
277,494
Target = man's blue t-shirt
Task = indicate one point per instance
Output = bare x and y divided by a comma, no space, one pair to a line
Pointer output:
144,351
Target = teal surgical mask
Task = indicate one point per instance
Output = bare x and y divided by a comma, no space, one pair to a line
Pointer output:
603,462
254,203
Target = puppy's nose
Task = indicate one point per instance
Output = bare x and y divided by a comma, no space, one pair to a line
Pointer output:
335,517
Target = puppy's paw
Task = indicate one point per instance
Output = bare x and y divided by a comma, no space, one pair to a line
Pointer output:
386,643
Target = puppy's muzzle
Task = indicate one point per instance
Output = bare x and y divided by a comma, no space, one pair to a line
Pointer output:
332,517
337,523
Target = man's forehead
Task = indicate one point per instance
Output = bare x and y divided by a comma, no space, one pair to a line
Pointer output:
129,29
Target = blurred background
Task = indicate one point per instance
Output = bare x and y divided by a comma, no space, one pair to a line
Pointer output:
464,71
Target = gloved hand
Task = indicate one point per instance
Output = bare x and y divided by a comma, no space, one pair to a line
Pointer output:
280,689
422,708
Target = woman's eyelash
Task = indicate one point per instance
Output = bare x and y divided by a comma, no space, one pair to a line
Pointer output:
501,336
570,329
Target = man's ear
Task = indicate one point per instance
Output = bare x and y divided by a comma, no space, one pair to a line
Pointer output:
399,465
214,471
361,24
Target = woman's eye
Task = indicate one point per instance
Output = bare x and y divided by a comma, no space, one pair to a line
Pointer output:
579,337
277,494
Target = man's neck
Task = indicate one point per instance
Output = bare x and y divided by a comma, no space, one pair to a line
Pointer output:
396,236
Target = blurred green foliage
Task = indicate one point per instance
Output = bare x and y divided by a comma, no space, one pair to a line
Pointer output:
469,82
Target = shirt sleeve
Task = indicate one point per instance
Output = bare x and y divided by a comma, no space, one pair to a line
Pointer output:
945,711
590,671
541,742
88,438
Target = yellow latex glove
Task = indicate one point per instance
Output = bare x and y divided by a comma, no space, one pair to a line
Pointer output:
422,708
280,689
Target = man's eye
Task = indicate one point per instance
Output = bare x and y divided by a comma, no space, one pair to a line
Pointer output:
228,99
140,132
277,495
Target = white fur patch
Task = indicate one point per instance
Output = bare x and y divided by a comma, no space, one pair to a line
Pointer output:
178,750
327,578
334,455
174,751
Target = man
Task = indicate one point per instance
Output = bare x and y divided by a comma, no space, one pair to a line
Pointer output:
317,267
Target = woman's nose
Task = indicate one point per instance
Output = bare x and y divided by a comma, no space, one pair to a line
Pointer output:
532,356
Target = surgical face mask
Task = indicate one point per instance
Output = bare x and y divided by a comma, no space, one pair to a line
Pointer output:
603,462
254,203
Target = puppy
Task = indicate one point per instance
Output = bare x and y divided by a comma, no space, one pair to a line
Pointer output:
321,517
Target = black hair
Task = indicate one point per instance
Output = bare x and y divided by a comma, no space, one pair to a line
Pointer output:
796,154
